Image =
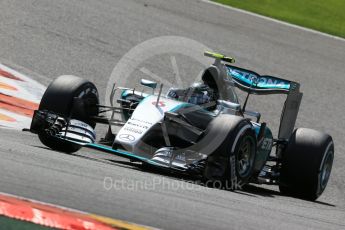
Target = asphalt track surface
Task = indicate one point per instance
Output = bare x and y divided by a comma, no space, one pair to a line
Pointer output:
45,39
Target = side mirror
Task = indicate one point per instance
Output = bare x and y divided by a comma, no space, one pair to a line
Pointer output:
255,114
228,107
148,83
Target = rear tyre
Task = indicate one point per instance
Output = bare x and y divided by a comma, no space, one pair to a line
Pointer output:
236,153
307,164
59,98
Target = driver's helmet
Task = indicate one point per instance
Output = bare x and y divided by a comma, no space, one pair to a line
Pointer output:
198,93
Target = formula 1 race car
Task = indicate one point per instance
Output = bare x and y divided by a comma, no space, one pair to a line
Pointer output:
200,131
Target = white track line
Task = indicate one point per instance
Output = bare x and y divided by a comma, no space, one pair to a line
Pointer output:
273,20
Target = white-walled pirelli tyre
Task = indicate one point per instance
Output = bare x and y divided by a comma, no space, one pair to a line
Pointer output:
60,97
307,164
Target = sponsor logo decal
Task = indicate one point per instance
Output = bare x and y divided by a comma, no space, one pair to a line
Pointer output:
267,144
141,121
138,125
133,130
127,137
258,81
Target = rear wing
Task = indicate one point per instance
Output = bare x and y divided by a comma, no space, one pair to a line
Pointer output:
254,83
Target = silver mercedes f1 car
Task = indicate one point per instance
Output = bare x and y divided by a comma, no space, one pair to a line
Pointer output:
202,130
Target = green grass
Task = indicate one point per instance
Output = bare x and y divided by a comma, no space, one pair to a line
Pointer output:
324,15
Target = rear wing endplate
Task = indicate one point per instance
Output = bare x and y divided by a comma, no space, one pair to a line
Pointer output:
254,83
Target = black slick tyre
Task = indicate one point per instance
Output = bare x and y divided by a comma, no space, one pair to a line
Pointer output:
235,154
307,164
60,97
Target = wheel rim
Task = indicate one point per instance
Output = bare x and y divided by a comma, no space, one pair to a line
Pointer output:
245,156
326,170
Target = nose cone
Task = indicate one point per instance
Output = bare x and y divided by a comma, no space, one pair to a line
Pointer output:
148,113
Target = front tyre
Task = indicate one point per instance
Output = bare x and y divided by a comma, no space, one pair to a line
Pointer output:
60,98
307,164
233,161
